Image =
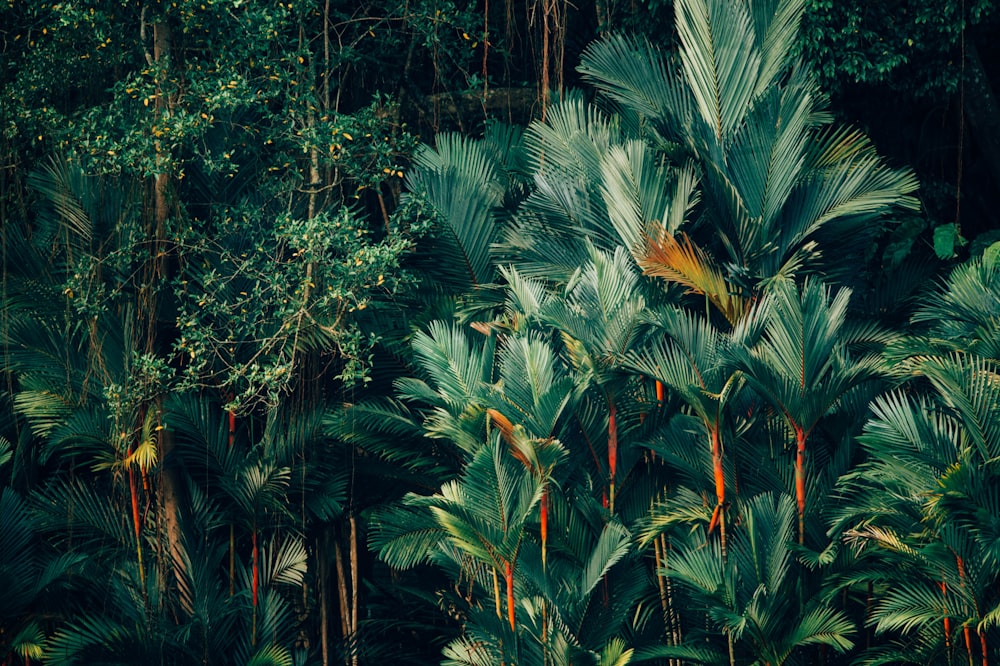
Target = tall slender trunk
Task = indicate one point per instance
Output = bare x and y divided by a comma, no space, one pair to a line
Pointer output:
355,591
496,593
254,584
800,478
545,58
232,528
670,628
966,629
718,515
486,47
509,575
133,490
944,610
324,613
348,587
612,452
543,512
338,559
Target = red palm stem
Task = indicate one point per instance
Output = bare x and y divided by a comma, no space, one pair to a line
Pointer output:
509,574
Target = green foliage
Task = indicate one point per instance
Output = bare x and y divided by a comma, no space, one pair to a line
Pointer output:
562,387
261,296
849,44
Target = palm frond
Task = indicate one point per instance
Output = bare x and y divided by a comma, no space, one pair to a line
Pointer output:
695,654
776,26
969,386
283,562
405,535
612,545
637,75
458,369
721,60
534,383
460,180
823,626
271,655
682,262
526,297
908,606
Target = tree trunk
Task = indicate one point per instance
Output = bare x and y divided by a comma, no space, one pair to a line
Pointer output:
354,590
543,517
169,503
169,482
509,575
338,559
324,613
254,584
800,478
718,515
612,452
133,491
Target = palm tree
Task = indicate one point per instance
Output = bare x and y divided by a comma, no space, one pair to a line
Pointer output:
780,183
690,359
921,513
750,596
599,320
961,314
483,517
794,349
32,578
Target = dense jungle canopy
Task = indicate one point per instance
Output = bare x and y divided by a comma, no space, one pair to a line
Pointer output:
494,332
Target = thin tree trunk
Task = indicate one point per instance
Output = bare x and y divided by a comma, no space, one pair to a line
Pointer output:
612,452
546,36
718,515
966,629
676,636
345,626
486,46
947,620
509,575
661,584
354,590
800,478
496,593
543,514
324,581
232,528
255,582
133,491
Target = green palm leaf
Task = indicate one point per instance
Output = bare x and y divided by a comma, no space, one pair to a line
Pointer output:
720,58
823,626
461,181
612,545
405,535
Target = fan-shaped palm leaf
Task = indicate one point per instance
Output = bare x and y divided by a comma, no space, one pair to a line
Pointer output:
463,184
